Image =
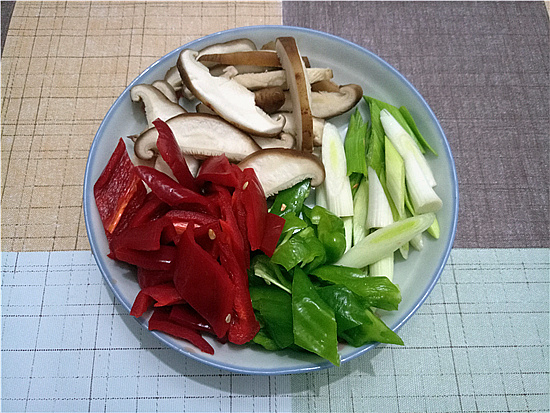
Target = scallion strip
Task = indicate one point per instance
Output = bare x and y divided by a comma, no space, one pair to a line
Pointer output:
385,241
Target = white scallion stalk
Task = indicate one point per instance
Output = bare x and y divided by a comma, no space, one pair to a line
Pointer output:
383,267
379,212
422,195
405,144
418,175
337,186
360,202
348,230
384,241
395,177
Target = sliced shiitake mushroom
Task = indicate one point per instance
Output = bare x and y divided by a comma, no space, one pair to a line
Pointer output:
157,105
237,45
329,104
173,78
299,90
290,127
260,80
279,169
229,99
325,85
268,99
200,135
263,59
166,89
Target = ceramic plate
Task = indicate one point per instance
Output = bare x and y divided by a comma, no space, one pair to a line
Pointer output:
351,64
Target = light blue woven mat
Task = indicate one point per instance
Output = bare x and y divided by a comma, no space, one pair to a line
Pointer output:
479,343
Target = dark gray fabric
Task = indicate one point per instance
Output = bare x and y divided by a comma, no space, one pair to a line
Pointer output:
7,10
484,70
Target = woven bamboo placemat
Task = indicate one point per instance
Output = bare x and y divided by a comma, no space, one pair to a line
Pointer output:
63,66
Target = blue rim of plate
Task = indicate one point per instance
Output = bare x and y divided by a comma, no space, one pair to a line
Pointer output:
89,203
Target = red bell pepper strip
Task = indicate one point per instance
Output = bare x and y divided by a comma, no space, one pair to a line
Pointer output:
141,304
146,237
161,295
180,218
240,215
164,294
160,259
160,320
244,325
170,191
230,226
255,206
273,228
171,153
147,278
118,190
218,170
203,283
151,209
184,315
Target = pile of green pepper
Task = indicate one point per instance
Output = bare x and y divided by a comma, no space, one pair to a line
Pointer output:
304,301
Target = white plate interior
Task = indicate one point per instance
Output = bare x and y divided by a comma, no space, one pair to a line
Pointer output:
351,64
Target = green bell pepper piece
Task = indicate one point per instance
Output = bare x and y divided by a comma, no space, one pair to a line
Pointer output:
314,321
291,199
377,292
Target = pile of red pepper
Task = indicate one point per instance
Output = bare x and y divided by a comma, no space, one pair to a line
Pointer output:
190,239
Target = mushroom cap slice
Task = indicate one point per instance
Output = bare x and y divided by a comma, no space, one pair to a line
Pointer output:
279,168
231,46
157,105
325,104
328,104
229,99
200,135
299,89
263,58
269,99
325,85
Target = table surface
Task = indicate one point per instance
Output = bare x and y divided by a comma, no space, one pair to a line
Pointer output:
479,343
